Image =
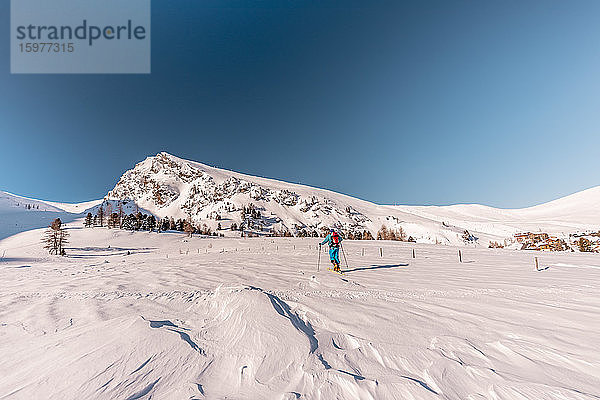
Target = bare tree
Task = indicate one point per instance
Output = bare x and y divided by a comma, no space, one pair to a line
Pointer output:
188,228
401,234
584,245
101,214
120,210
55,238
108,212
382,234
390,234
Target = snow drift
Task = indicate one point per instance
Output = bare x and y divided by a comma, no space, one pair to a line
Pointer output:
139,315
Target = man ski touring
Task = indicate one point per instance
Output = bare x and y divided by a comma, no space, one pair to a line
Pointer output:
333,240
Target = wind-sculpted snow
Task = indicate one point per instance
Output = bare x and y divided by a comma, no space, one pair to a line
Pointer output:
200,318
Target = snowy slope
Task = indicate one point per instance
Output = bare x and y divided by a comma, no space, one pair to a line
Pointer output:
75,208
138,315
581,208
18,214
13,203
577,212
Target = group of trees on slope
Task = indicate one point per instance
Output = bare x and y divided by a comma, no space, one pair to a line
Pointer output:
56,236
143,222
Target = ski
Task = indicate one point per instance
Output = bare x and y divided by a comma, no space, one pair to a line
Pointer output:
337,272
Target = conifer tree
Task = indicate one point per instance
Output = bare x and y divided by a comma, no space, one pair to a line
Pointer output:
151,222
88,220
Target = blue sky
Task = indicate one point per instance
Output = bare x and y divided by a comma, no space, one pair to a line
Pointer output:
435,102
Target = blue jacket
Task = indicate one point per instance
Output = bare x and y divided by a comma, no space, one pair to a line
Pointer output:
329,240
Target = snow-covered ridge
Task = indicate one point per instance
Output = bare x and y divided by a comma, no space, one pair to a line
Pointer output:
10,201
18,213
577,212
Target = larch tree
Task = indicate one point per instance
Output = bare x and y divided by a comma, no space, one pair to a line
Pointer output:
584,245
101,214
55,238
108,212
120,211
188,228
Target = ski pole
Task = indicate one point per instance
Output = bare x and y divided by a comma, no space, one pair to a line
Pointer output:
319,262
344,253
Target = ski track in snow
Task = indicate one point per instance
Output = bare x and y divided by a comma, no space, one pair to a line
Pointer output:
253,319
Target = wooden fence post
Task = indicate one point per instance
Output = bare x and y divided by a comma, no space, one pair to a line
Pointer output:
460,256
537,266
413,253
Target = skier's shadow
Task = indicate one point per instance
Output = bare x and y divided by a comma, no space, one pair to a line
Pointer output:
375,267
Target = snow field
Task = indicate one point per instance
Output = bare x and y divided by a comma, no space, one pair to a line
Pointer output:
201,318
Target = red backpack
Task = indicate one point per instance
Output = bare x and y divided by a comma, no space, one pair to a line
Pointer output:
335,239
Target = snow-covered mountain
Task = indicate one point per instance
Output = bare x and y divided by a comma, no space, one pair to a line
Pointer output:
168,186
